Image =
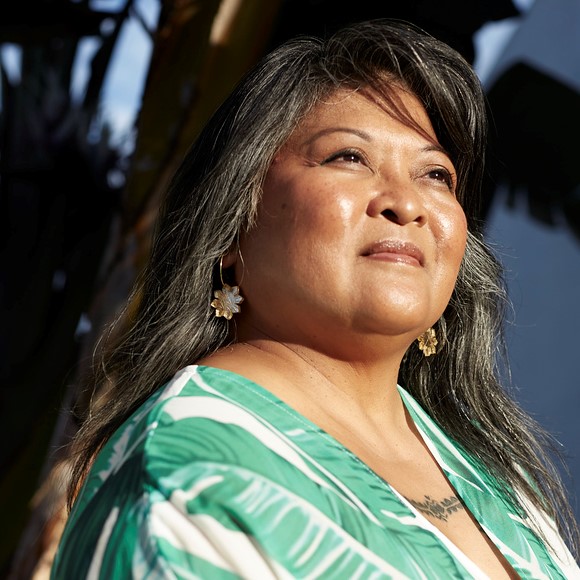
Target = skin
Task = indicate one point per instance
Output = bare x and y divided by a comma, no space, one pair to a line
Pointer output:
333,191
356,250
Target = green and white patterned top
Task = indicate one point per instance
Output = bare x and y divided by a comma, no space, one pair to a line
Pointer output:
215,477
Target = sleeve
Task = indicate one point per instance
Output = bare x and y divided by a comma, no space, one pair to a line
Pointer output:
190,529
207,540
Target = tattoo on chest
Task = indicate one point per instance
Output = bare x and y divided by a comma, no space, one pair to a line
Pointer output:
441,509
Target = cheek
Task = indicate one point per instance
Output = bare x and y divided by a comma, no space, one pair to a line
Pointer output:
452,237
454,223
460,230
314,214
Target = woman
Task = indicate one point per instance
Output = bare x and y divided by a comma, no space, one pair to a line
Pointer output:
295,426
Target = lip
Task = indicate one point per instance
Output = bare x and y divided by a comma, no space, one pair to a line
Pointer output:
395,251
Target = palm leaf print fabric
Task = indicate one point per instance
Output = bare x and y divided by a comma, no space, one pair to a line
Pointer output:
214,477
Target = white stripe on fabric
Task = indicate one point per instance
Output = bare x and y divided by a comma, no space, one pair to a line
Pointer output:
97,560
554,542
207,539
222,411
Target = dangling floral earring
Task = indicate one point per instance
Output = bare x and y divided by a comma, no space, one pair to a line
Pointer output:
428,342
227,299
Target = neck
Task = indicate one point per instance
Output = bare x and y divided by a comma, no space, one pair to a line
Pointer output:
302,375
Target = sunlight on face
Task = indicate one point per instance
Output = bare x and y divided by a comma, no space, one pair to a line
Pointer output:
359,230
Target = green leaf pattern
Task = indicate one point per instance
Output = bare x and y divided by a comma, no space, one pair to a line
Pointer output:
214,477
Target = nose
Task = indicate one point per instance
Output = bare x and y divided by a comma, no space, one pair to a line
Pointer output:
399,201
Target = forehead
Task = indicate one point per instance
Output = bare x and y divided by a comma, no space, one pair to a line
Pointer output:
366,108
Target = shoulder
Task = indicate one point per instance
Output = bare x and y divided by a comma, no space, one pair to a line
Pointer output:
203,415
201,452
209,415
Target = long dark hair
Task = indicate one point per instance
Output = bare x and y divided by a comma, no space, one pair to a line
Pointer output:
213,198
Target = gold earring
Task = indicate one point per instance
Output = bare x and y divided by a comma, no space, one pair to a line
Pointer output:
428,342
227,299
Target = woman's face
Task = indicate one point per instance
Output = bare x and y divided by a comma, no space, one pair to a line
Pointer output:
359,232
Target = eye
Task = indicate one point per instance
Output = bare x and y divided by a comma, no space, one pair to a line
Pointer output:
345,156
443,175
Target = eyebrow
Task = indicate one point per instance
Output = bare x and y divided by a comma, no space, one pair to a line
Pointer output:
366,137
330,130
437,148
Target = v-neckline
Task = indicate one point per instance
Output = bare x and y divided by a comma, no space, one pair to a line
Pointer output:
420,420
